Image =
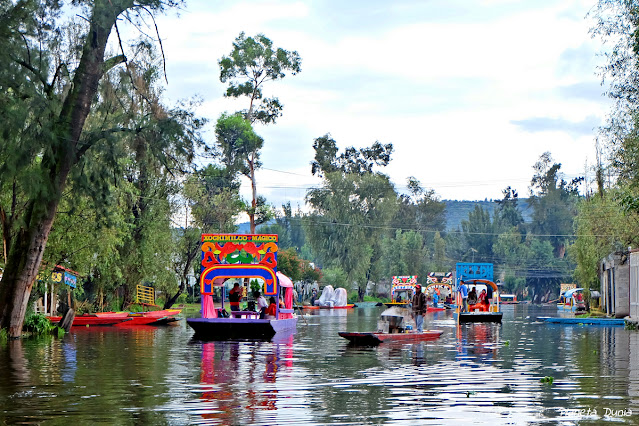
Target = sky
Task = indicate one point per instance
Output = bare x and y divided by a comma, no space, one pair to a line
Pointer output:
469,92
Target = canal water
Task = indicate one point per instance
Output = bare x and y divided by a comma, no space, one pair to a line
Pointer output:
474,374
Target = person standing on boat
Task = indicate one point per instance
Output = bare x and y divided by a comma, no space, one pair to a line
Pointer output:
419,308
235,296
463,291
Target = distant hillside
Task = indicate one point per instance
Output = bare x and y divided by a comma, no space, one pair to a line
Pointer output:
457,210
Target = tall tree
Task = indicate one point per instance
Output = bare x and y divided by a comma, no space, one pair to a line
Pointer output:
350,213
554,203
59,91
240,147
254,62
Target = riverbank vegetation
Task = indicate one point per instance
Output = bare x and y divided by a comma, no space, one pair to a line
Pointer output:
96,169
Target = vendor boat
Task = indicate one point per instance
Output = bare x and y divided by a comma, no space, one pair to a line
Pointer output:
391,329
229,256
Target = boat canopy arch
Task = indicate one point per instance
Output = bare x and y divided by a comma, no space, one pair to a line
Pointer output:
481,281
569,293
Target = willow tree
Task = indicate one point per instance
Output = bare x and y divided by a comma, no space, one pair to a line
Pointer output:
53,86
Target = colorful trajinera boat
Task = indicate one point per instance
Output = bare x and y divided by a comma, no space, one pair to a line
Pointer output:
479,276
479,312
237,256
440,284
402,290
572,300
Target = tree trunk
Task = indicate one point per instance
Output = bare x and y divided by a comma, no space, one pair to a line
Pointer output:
254,193
27,246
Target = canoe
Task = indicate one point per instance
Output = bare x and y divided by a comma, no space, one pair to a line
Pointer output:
91,319
372,339
349,306
585,321
161,317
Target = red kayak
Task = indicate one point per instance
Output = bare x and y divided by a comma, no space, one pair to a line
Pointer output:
369,339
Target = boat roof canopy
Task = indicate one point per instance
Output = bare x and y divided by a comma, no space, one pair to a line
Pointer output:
569,293
481,281
283,280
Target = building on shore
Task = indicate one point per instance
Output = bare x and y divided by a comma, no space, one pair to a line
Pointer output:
616,286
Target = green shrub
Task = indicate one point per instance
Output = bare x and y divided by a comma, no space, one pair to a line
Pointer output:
38,324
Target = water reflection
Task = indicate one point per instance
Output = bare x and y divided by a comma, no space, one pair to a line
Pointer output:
474,374
242,376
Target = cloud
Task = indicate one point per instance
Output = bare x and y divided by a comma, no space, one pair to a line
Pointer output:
547,124
588,90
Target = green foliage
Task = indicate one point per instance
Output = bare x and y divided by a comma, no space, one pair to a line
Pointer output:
38,324
290,264
253,62
336,277
255,286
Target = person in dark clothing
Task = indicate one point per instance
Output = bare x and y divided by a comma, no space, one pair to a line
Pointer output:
419,308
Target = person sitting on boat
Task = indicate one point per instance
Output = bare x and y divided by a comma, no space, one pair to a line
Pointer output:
419,308
271,311
484,304
449,299
399,298
262,305
472,296
235,296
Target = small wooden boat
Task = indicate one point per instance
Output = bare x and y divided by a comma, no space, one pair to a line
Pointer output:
160,317
372,339
349,306
101,318
584,321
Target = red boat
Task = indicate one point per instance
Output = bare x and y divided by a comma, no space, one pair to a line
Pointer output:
102,318
371,339
163,316
433,309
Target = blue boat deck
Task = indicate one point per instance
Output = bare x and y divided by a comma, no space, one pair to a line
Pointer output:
584,321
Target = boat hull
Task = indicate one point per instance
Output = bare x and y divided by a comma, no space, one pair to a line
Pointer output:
349,306
466,317
397,304
83,321
372,339
433,309
588,321
239,328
